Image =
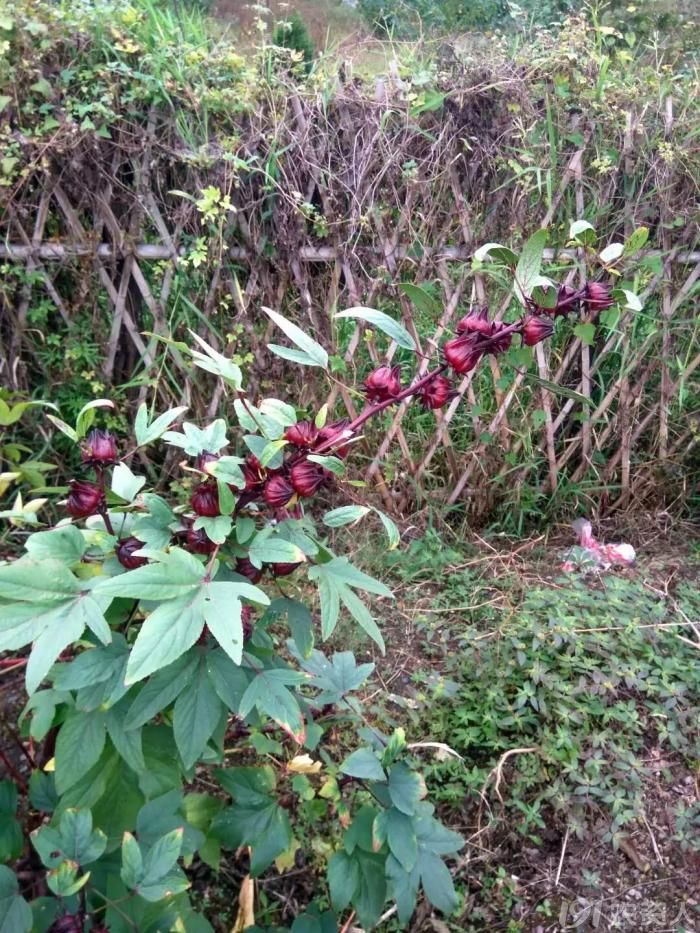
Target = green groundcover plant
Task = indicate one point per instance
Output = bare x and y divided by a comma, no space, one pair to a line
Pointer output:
178,705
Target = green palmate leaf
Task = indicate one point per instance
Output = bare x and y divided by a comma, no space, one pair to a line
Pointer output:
399,832
611,253
197,712
335,579
363,764
132,861
255,819
337,676
421,298
214,362
129,743
300,623
529,264
160,691
65,544
269,693
175,575
343,879
126,484
11,836
86,415
53,631
229,681
93,666
42,707
74,840
195,441
154,528
146,433
64,880
627,299
498,252
583,231
269,547
391,529
78,747
37,581
64,428
371,892
15,912
334,464
217,528
314,352
585,332
228,470
434,840
405,788
345,515
166,634
556,389
382,322
636,241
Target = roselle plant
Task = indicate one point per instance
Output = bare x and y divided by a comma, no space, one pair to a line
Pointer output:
178,704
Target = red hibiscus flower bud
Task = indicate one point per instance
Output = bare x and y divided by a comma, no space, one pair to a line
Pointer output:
277,492
461,353
307,477
476,322
436,393
536,329
84,499
383,384
597,296
333,432
246,569
126,555
99,448
500,341
302,434
205,500
283,570
203,459
248,620
197,541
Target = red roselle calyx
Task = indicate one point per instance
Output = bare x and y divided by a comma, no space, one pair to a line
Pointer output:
597,296
126,555
436,393
307,477
99,448
245,568
278,492
567,300
476,322
197,541
205,500
283,570
302,434
68,923
383,384
84,499
329,434
248,621
461,353
536,329
253,473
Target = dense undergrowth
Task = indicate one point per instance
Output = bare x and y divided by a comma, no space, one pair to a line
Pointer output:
80,83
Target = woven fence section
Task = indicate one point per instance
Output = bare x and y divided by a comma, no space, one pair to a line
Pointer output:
320,204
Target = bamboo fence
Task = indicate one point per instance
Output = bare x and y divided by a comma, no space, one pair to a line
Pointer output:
354,198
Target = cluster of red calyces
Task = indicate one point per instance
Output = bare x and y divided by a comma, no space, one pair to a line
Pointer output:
99,451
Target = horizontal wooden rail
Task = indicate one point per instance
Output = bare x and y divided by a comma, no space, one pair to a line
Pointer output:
157,252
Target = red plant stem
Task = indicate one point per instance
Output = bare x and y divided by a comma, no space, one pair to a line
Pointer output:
13,662
13,772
